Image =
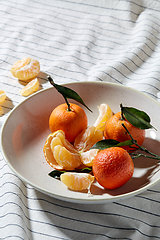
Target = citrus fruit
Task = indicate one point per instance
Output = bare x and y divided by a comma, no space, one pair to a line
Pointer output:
88,157
2,96
105,113
71,122
59,153
87,138
25,68
77,181
30,88
113,167
115,130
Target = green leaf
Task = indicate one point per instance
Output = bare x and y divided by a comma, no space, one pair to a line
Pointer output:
107,143
68,93
136,117
57,173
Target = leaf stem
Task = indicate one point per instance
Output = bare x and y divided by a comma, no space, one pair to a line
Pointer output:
136,155
52,82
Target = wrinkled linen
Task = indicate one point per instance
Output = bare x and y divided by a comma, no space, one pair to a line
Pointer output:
107,41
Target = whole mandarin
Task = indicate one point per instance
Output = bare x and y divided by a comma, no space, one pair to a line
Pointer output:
115,130
113,167
71,122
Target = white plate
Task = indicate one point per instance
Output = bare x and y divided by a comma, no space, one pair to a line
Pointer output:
24,133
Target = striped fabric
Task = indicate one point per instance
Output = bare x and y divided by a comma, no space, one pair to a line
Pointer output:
114,41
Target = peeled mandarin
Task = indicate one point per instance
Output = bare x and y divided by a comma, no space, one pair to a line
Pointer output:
105,113
87,138
77,181
60,153
25,69
30,88
88,157
2,96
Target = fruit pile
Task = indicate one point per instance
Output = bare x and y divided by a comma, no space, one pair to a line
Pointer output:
105,150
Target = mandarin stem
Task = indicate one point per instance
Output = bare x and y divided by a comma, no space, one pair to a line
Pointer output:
69,108
52,82
122,115
155,156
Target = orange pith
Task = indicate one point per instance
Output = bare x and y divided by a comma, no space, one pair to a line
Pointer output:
113,167
71,122
115,130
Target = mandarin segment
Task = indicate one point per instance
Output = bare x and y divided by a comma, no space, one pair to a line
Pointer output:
2,96
66,159
88,157
30,88
25,69
87,138
105,113
77,181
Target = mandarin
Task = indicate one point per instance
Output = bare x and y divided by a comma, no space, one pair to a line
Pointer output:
70,122
113,167
115,130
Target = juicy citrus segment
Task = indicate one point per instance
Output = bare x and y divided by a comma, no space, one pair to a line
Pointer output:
25,68
30,88
2,96
77,181
88,157
87,138
59,153
105,113
49,154
66,159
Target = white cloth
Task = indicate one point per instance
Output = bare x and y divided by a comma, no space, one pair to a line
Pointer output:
114,41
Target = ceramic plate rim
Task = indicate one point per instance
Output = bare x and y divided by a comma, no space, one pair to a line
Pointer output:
65,198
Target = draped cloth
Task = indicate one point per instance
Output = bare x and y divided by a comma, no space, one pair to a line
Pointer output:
114,41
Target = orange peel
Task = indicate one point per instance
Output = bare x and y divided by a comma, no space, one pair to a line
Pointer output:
60,153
